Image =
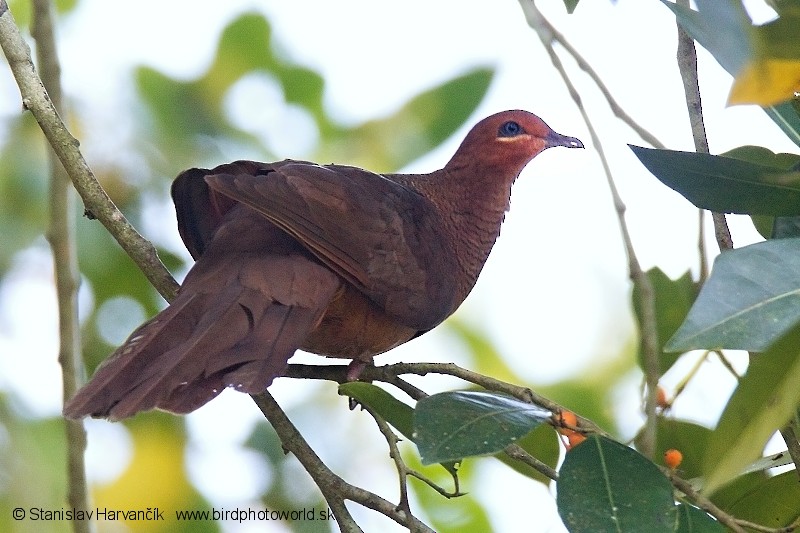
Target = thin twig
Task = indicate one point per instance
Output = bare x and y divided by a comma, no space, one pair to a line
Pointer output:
515,451
537,20
61,235
648,328
687,64
702,253
96,202
334,489
390,373
394,454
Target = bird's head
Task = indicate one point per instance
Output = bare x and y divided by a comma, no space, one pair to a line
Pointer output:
508,141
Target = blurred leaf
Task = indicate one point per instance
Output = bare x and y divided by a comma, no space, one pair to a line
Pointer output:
750,299
22,9
23,189
770,501
766,82
764,60
571,5
727,184
282,493
766,397
484,356
687,437
673,299
722,28
694,520
730,493
422,124
606,486
773,75
725,30
158,446
452,425
541,442
395,412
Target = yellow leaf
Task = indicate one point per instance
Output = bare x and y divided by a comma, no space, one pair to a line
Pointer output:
766,82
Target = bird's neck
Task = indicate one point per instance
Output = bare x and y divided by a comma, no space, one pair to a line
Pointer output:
472,203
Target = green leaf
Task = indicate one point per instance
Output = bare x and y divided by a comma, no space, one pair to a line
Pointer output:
673,299
395,412
770,501
726,184
722,28
571,5
751,298
606,486
452,425
766,397
694,520
420,125
787,117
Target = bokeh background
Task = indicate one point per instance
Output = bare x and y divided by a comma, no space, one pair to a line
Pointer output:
157,87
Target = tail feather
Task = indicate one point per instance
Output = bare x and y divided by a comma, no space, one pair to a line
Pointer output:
241,336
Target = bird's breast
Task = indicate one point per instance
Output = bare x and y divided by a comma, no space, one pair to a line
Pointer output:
353,327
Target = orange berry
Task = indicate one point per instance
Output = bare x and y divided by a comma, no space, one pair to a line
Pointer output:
673,458
567,418
573,439
661,398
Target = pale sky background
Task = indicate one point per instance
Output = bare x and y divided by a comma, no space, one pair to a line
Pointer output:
558,267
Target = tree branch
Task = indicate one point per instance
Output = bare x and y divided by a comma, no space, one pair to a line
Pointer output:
391,373
61,235
96,202
687,64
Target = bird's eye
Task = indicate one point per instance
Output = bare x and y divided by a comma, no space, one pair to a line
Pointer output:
509,129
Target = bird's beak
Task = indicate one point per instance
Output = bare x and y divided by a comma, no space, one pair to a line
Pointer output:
556,139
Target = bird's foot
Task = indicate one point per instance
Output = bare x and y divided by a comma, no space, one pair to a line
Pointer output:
355,368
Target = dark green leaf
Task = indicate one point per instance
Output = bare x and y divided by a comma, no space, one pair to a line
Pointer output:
606,486
726,184
787,117
766,397
397,413
452,425
673,299
694,520
751,298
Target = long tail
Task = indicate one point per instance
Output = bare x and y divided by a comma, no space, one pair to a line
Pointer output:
211,337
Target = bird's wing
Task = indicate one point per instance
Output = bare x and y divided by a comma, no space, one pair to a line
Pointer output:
200,210
381,236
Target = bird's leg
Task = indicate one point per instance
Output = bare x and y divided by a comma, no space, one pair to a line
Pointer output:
355,368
